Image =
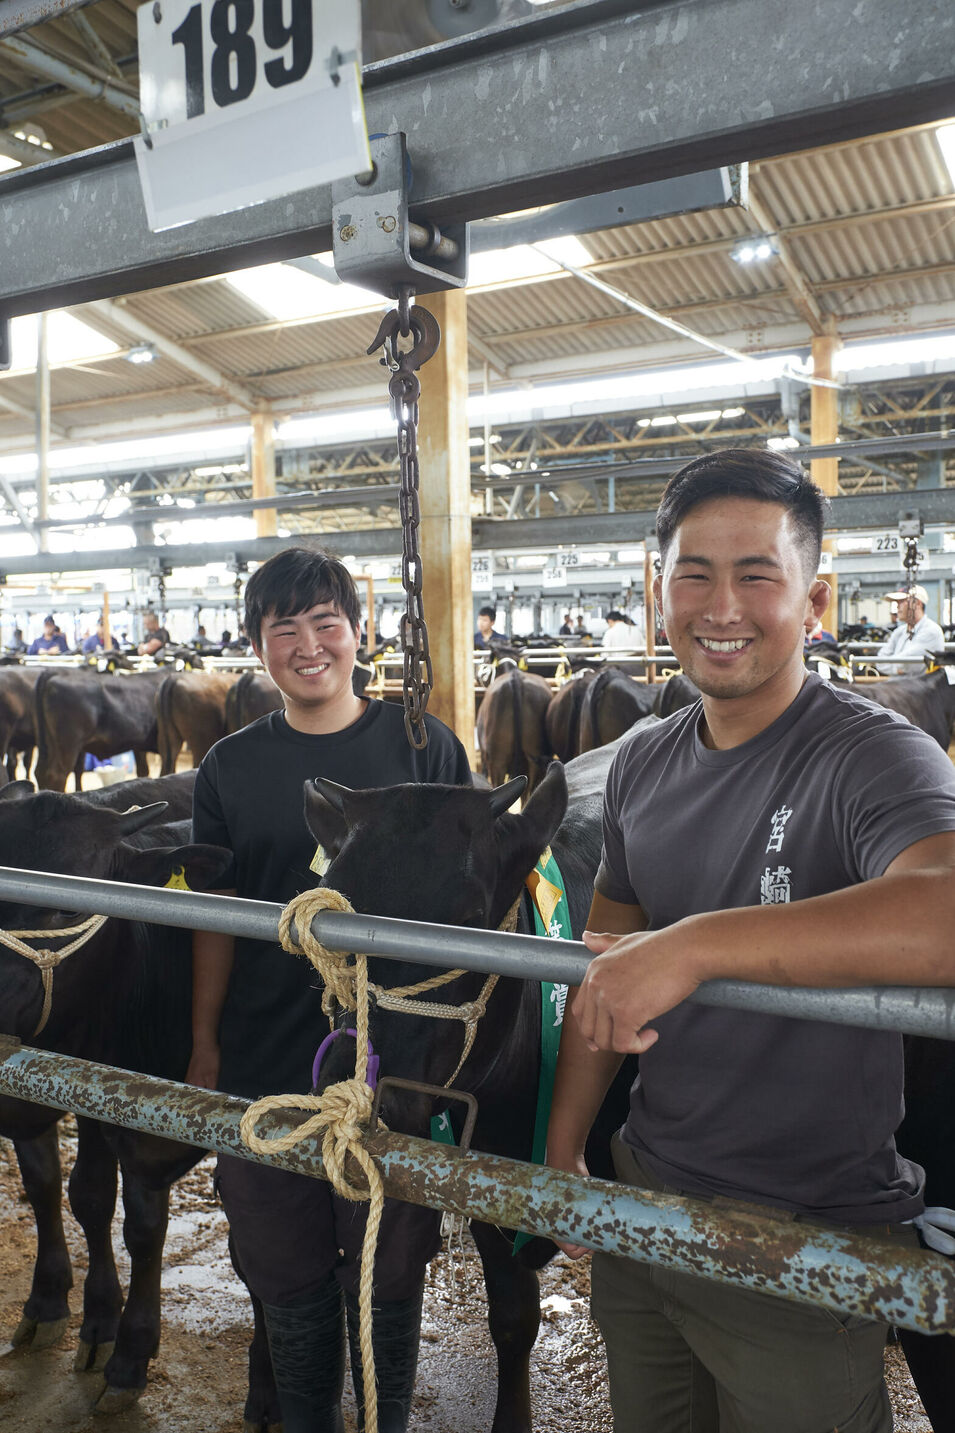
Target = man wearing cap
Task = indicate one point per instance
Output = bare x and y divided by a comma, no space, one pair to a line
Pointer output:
916,635
52,643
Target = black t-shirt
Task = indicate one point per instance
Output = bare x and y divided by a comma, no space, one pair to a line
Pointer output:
249,798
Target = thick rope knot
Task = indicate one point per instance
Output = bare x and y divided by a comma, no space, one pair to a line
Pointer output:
339,975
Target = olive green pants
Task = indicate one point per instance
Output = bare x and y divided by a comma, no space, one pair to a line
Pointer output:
689,1355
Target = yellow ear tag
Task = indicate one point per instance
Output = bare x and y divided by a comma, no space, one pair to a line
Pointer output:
177,881
319,862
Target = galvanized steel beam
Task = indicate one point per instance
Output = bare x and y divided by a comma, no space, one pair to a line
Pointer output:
22,14
914,1010
745,1245
585,101
617,529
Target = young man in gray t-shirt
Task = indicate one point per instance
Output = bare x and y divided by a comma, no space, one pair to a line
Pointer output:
784,832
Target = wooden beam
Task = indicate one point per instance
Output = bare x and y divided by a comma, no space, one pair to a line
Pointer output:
824,428
445,538
263,472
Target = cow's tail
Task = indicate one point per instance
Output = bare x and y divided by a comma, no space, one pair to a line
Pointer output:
595,692
43,721
166,734
579,693
519,763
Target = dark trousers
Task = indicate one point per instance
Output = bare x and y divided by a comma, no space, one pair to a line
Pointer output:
291,1232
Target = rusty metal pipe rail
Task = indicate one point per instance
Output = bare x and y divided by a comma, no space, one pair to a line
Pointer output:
911,1009
848,1271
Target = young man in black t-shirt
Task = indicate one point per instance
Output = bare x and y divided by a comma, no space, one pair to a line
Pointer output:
257,1017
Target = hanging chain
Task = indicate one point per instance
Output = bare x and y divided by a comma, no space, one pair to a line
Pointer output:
911,562
407,321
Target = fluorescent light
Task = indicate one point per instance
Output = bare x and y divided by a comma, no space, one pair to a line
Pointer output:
67,340
780,445
644,422
665,420
945,134
733,412
286,292
479,442
141,353
903,351
706,415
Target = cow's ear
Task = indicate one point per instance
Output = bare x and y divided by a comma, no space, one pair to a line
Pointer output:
198,868
521,839
17,790
325,814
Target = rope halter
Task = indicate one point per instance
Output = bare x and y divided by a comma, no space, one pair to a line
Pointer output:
341,1113
47,960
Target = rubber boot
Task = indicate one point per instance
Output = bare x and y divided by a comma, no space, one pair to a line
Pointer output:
307,1343
395,1334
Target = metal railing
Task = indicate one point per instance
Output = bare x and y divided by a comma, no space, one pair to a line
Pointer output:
849,1271
913,1010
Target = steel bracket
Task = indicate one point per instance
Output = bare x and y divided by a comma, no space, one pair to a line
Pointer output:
373,233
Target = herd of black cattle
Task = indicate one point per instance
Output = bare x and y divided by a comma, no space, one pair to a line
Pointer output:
124,998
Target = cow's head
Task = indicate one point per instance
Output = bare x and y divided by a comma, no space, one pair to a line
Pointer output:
64,835
449,855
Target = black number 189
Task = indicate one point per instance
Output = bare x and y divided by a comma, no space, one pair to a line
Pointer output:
232,71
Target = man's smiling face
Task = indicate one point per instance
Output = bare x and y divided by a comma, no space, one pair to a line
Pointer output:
309,656
735,595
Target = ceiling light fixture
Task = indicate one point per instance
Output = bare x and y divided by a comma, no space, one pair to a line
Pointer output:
142,353
754,250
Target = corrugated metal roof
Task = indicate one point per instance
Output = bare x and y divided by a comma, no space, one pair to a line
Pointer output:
870,225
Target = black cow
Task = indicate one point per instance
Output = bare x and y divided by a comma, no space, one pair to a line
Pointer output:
254,695
562,718
611,705
123,999
17,721
476,855
676,692
80,712
928,701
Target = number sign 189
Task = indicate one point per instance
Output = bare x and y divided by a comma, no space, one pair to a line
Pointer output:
232,71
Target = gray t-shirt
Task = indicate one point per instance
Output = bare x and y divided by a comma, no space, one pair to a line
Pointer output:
787,1112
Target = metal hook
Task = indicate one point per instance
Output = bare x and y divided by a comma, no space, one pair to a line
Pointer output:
424,329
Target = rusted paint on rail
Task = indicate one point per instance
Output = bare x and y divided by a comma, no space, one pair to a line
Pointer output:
846,1270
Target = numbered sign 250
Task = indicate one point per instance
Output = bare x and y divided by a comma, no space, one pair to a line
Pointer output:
229,46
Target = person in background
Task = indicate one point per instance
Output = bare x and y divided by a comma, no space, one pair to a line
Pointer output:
486,633
580,631
154,636
200,640
566,628
916,635
17,644
95,642
620,632
51,643
816,632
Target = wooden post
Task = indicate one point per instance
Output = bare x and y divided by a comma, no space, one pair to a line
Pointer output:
824,428
263,472
649,612
106,640
445,498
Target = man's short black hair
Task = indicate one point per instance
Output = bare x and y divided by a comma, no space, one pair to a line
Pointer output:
758,473
487,612
294,581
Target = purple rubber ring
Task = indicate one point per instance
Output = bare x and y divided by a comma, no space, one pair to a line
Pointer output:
371,1075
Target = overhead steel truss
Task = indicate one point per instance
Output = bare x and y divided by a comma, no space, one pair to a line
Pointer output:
936,507
676,87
